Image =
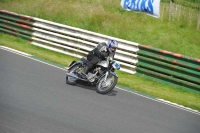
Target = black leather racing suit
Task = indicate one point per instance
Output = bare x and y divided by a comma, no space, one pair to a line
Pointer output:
98,53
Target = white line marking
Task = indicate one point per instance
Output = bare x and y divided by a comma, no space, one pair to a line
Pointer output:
14,51
156,99
28,56
165,102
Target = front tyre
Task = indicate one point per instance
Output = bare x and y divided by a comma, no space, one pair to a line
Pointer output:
103,87
71,80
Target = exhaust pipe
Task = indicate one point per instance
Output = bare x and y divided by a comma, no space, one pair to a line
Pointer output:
75,76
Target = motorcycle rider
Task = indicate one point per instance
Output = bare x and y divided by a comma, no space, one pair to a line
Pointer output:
99,53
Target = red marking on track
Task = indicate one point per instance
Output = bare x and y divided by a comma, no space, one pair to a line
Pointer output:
7,27
21,21
147,46
198,68
174,61
24,26
178,55
4,11
15,14
26,17
165,52
198,60
161,57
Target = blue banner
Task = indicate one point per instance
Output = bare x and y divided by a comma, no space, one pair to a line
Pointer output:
151,7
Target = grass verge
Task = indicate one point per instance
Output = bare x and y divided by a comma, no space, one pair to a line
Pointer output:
107,17
138,83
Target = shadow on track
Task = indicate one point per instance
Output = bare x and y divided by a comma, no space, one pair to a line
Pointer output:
88,86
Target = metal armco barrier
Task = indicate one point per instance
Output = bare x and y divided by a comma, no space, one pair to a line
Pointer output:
169,67
15,24
69,40
163,65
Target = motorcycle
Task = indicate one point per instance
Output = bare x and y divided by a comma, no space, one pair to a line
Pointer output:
102,75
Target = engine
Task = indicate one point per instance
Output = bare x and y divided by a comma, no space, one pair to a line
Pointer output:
93,76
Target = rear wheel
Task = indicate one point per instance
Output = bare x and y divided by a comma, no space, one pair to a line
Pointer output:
71,80
103,87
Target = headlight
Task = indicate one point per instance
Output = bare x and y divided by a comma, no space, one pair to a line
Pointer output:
116,65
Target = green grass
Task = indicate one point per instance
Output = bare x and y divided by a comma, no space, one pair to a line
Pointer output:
107,17
138,83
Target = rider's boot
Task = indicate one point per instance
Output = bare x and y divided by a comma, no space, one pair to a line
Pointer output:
85,71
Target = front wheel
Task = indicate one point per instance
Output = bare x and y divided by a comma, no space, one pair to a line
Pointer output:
103,87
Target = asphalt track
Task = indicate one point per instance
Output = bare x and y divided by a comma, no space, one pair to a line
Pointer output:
34,98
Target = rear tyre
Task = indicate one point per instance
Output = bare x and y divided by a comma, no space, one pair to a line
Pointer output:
104,87
71,80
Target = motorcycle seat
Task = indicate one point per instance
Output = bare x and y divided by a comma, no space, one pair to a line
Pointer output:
84,60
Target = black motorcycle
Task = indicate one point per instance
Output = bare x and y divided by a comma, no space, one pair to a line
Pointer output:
102,75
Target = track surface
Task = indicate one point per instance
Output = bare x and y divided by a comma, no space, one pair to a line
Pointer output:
34,98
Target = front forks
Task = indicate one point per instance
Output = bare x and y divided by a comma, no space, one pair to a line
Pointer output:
106,76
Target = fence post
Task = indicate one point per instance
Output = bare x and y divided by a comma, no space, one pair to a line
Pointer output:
198,23
170,9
